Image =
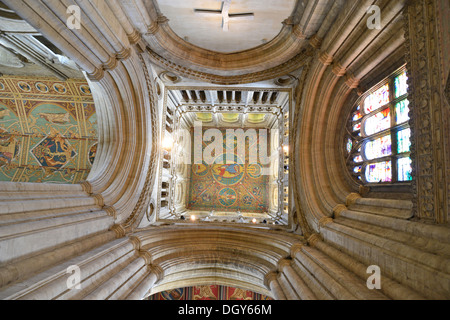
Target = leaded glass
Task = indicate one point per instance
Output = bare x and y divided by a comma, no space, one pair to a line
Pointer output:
379,122
401,111
378,148
379,172
404,141
357,116
358,159
401,85
379,132
349,145
377,99
404,169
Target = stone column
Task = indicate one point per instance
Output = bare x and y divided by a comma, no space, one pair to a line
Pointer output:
287,288
272,283
300,286
50,217
155,273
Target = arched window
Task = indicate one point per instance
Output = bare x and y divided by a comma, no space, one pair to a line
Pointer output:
377,145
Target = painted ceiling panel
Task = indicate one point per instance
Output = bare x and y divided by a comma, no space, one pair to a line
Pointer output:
48,130
229,186
212,292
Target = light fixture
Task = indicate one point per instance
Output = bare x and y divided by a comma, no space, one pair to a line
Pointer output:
167,143
286,148
254,220
193,218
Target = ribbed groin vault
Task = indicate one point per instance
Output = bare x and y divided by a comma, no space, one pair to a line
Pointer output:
338,227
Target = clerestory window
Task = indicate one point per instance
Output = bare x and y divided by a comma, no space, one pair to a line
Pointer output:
377,145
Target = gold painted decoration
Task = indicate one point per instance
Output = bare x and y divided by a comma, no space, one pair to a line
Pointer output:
48,130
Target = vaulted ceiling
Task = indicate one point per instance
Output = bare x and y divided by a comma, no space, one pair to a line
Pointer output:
226,26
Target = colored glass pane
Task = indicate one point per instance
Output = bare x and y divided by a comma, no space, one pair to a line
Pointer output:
358,159
379,122
404,141
357,115
357,127
401,111
357,169
401,85
378,148
404,169
349,145
379,172
377,99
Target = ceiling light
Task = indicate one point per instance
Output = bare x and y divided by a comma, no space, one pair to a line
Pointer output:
167,143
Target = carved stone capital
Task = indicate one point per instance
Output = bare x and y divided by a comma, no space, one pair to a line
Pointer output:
134,37
351,81
351,198
271,276
87,186
364,190
154,27
296,30
98,199
124,54
284,263
146,256
338,210
136,243
325,58
315,42
97,75
157,270
119,230
324,221
111,64
339,70
296,248
312,240
111,211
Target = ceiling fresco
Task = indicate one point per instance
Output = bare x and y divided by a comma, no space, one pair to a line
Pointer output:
229,186
48,130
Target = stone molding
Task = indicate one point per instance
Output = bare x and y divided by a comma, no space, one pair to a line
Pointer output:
429,159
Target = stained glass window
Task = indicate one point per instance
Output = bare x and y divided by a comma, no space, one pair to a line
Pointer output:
349,145
404,169
357,116
401,111
404,141
377,99
379,172
358,159
378,148
379,122
401,85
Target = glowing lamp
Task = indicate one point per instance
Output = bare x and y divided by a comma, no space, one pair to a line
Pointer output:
167,143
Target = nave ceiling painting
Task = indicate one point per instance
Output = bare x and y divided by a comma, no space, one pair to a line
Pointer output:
48,130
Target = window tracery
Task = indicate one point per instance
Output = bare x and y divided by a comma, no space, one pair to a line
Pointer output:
377,144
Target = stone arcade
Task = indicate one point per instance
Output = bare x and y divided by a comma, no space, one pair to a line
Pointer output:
359,177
